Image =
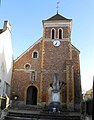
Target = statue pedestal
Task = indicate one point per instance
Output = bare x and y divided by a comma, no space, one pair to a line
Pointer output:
55,104
55,96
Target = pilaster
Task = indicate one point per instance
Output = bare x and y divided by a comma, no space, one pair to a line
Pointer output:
41,75
69,84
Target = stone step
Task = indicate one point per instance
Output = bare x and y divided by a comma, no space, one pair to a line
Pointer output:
17,118
40,116
19,106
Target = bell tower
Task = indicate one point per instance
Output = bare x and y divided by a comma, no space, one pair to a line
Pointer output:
57,43
57,27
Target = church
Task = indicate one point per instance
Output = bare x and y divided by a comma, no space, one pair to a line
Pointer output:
53,53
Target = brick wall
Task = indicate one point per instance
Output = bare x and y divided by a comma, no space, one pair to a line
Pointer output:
54,62
77,77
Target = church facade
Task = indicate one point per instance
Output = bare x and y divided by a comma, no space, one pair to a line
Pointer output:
52,54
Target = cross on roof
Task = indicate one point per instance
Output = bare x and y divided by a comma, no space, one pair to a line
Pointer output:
57,6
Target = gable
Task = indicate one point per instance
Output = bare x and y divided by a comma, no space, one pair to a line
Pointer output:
36,43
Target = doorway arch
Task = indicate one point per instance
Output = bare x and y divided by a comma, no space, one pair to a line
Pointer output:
31,95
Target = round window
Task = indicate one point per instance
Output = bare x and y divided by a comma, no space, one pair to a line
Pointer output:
27,66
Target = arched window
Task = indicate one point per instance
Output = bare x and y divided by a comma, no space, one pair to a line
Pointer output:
52,33
60,34
35,54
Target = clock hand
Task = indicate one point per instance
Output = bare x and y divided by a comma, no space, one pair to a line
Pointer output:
56,43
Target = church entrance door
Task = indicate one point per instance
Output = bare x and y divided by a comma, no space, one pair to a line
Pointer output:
31,97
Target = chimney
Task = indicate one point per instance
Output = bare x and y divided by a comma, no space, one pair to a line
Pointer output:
7,25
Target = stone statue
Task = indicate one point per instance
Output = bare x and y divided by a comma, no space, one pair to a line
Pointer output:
56,82
54,90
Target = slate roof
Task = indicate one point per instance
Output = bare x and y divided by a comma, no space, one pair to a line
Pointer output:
58,17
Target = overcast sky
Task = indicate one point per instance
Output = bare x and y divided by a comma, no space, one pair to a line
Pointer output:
26,17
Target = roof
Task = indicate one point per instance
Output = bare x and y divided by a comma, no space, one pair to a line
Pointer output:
74,48
58,17
39,40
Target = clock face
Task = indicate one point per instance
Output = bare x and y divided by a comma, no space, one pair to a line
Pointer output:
56,43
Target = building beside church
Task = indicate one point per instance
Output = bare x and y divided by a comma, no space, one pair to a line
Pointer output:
6,61
52,54
88,95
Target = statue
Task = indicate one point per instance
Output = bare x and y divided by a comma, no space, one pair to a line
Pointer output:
55,93
56,86
56,89
50,93
56,82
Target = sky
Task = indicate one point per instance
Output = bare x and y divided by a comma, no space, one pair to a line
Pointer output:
25,17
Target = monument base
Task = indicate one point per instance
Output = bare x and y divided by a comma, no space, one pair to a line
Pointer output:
54,107
55,96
